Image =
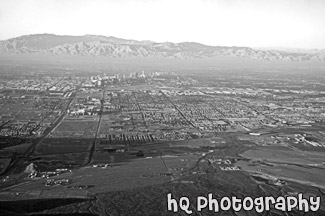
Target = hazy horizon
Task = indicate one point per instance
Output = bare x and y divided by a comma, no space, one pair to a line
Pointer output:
249,23
258,47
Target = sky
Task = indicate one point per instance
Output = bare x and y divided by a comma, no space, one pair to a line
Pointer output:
252,23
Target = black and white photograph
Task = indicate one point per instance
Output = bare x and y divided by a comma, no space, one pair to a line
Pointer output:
162,107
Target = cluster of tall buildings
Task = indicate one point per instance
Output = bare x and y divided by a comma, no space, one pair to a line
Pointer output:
116,78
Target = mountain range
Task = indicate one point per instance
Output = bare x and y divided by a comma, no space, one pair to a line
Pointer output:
96,45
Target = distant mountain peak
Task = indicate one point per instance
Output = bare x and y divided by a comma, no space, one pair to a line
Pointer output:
110,46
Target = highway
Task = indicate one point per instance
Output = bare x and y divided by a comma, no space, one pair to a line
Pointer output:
31,148
93,146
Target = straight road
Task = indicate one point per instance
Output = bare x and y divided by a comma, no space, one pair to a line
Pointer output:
31,148
93,146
